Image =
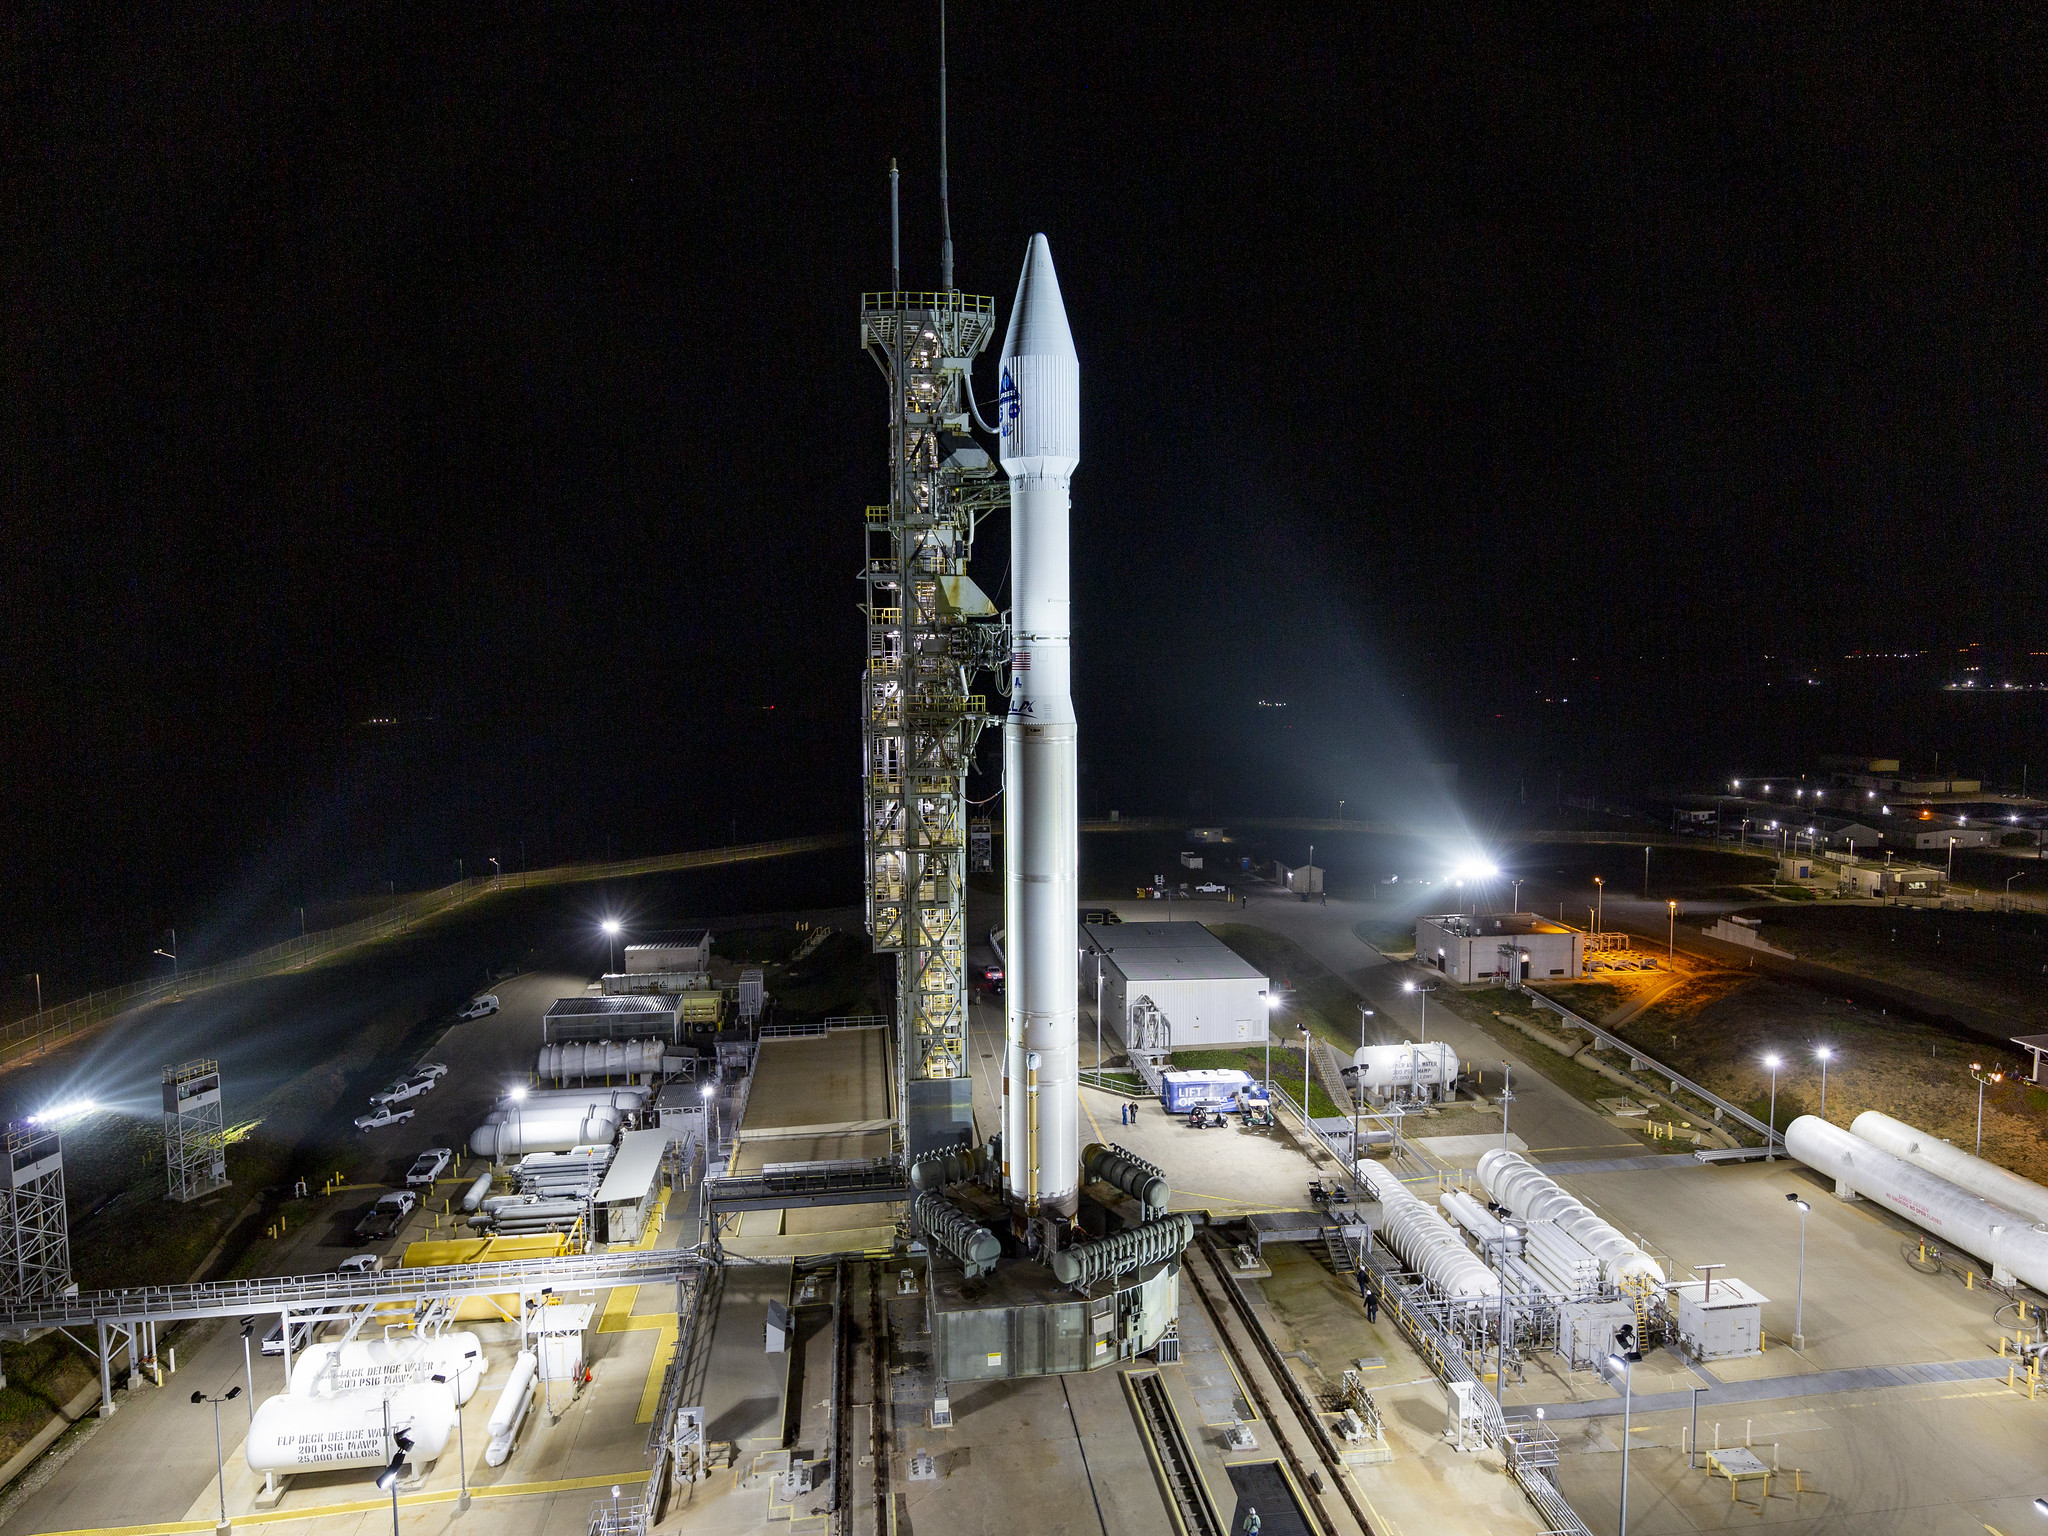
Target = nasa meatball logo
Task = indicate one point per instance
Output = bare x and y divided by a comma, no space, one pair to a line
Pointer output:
1006,402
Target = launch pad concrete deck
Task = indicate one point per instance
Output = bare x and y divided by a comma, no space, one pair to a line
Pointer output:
834,1084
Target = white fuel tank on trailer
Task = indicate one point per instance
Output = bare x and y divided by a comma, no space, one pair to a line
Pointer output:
297,1434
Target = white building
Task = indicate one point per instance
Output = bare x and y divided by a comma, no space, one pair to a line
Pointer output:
1492,946
1173,986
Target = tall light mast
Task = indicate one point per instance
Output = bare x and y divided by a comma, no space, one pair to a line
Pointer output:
930,629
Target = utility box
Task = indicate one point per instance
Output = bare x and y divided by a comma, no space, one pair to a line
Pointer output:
1724,1325
1586,1330
1305,881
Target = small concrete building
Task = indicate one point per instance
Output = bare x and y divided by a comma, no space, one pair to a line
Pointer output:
1176,980
1493,946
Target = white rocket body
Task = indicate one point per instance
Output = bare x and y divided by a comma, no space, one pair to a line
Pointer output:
1040,407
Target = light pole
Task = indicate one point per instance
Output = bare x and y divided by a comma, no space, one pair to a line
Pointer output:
1518,893
1983,1081
1646,871
611,933
1340,810
1799,1303
1671,933
387,1480
249,1367
1950,876
709,1093
497,871
461,1443
1599,902
1826,1054
1507,1097
1271,1002
171,955
1774,1061
1623,1360
1423,993
1357,1097
219,1459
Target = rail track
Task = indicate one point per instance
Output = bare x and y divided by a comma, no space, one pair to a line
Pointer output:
1188,1496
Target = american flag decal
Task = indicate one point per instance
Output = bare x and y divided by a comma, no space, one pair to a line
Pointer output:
1020,661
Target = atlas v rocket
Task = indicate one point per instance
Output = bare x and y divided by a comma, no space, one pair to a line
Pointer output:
1040,409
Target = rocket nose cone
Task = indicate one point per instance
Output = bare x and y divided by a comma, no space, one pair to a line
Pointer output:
1038,319
1040,402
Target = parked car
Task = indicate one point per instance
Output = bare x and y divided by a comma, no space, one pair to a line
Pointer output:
480,1007
430,1071
405,1088
428,1166
992,980
1211,889
358,1264
383,1114
302,1335
383,1219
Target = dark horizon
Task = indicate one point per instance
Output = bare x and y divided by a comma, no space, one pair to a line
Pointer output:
499,378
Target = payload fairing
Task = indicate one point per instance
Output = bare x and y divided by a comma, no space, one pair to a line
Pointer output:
1040,409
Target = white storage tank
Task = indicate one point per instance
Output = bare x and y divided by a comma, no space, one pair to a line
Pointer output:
326,1370
296,1434
1996,1184
1516,1183
2014,1246
581,1060
543,1128
513,1402
1425,1241
1412,1066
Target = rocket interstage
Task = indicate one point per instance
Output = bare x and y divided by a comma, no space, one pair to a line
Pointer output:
1040,409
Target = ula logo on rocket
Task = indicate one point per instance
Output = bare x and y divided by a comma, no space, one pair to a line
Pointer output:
1006,402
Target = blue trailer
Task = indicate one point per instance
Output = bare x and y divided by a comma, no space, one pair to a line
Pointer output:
1206,1088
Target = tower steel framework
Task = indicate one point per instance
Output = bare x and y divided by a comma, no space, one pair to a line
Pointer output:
35,1236
195,1135
929,631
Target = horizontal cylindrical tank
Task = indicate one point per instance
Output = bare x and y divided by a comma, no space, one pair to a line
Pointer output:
1426,1064
2005,1239
323,1370
956,1165
626,1097
582,1059
545,1128
1473,1217
511,1408
946,1227
1998,1185
1127,1172
1152,1242
473,1198
1425,1242
293,1433
1514,1182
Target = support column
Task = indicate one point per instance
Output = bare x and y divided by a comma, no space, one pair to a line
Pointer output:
106,1375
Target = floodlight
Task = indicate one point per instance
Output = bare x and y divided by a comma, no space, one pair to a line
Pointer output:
611,926
518,1093
1772,1061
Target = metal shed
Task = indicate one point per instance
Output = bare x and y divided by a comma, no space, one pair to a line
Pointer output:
610,1018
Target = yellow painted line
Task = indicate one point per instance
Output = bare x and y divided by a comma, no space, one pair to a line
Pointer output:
1091,1117
657,1367
617,1308
363,1506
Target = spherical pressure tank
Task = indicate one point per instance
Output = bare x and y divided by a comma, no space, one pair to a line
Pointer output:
1426,1243
1430,1064
1996,1184
293,1433
1514,1182
325,1370
2005,1239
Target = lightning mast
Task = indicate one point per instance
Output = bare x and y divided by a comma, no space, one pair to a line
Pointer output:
930,629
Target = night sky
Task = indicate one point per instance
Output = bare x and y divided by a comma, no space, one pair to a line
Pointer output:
498,374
